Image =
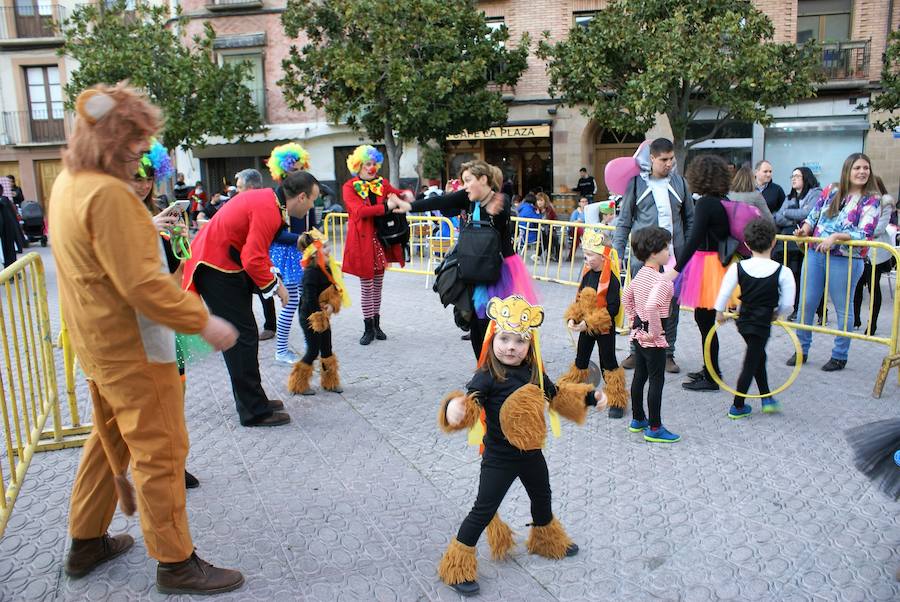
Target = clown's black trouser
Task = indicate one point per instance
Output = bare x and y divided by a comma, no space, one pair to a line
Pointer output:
497,475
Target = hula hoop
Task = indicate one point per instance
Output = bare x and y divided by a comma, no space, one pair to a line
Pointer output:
712,373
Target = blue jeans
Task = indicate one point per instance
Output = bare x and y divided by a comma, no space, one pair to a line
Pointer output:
814,276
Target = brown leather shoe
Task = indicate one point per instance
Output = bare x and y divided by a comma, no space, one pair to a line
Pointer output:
274,419
671,366
87,554
276,405
265,335
629,362
195,576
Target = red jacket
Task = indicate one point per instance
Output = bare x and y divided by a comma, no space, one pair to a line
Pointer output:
247,223
359,251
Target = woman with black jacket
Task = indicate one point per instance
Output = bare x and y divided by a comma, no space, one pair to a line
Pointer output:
700,269
480,195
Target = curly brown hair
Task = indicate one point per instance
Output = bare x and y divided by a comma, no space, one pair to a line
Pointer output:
708,175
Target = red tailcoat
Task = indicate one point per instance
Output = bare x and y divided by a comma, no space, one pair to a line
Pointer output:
248,223
359,251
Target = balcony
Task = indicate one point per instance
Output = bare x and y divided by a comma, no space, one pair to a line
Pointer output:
845,62
23,128
226,5
31,24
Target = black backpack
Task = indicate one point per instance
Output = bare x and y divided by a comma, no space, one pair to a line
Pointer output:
478,251
392,229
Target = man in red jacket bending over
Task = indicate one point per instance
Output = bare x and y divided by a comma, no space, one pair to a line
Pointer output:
229,259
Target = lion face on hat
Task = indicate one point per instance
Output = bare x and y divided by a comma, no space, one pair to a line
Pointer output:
515,314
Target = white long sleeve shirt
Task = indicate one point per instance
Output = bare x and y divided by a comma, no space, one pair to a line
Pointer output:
759,267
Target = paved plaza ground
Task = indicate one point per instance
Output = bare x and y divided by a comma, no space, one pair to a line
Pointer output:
358,497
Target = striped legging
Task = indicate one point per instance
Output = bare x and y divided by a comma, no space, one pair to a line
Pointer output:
370,294
283,327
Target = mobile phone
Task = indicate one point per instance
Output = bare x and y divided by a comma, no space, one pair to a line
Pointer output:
179,207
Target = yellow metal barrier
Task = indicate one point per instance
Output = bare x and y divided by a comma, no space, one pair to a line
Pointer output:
430,239
28,394
551,248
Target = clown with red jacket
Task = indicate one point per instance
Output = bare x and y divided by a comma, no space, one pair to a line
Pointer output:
368,196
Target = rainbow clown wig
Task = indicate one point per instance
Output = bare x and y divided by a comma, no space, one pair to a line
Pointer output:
360,155
156,163
287,158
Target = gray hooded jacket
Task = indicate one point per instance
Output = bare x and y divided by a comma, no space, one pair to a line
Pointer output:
638,208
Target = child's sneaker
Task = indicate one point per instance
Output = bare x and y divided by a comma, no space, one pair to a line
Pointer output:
639,426
287,357
736,413
770,405
660,435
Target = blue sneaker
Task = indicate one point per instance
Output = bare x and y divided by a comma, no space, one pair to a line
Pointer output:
660,435
639,426
736,413
770,405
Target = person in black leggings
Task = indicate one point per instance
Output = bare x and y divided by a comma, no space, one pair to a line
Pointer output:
321,298
709,177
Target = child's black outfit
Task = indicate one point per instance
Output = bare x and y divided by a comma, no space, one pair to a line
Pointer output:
601,333
766,288
514,433
316,293
759,300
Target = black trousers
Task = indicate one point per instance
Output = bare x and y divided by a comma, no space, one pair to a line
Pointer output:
705,318
230,296
606,349
497,476
864,282
477,329
316,342
268,306
650,364
754,367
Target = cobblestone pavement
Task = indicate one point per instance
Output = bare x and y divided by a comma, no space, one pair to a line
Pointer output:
359,496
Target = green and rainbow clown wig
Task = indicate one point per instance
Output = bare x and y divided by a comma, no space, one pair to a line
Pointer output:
287,158
361,154
155,163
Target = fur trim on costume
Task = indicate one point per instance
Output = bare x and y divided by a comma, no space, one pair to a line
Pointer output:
331,296
473,412
575,311
549,541
569,401
575,376
458,564
522,418
319,321
596,318
298,381
500,538
330,378
614,388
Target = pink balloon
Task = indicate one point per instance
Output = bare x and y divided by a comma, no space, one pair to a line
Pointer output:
619,172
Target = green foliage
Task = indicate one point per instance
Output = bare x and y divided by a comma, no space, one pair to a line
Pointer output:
419,68
889,99
198,97
433,161
638,58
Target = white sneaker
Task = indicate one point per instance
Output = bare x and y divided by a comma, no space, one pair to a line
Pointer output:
287,357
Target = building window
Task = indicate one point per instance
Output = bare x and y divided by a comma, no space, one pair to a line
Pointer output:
45,104
823,20
252,80
495,24
582,18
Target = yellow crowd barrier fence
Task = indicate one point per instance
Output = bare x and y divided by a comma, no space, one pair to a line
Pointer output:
430,239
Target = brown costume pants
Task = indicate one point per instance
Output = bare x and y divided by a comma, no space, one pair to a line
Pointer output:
144,407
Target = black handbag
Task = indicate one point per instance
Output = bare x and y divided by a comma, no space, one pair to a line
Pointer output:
478,251
727,247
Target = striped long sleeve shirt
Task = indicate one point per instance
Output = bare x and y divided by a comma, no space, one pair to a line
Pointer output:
647,301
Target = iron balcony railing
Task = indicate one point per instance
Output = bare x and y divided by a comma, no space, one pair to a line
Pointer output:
37,126
27,21
843,61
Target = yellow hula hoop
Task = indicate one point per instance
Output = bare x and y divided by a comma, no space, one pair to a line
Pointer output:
796,372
